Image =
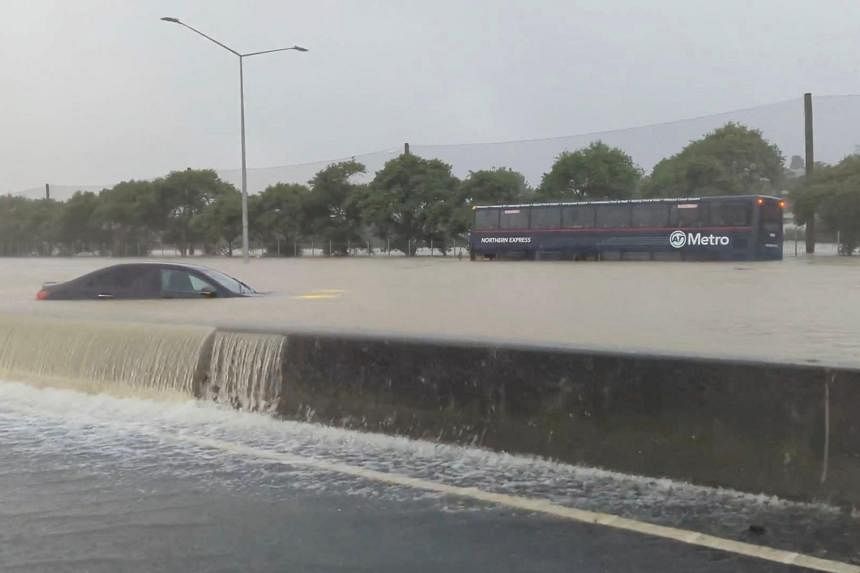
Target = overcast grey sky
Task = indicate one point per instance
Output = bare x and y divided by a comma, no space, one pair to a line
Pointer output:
94,91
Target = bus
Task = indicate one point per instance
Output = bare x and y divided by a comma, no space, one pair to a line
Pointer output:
738,227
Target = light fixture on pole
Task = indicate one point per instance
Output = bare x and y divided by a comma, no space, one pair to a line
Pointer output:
241,57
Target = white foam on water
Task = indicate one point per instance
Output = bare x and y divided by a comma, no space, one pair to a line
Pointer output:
105,418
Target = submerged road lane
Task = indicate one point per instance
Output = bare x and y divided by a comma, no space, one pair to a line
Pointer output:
94,483
797,310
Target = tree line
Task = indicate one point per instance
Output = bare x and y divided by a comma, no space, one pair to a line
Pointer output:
830,196
411,202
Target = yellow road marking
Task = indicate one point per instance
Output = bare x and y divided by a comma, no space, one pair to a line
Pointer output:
320,294
538,505
316,296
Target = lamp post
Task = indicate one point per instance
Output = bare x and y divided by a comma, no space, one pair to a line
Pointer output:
241,57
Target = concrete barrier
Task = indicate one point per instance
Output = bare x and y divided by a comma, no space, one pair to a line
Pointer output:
787,430
783,429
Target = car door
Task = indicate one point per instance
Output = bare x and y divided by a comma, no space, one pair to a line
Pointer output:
112,283
146,283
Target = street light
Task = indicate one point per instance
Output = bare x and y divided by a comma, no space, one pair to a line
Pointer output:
242,106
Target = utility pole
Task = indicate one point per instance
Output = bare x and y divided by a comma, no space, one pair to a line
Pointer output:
810,163
47,190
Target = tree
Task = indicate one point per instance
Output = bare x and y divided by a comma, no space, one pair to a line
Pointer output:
277,216
494,186
411,200
220,222
28,226
488,187
332,207
841,211
78,228
833,194
125,213
596,172
732,160
182,196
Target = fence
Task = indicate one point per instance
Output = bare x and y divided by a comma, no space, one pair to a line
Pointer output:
794,244
780,122
326,248
371,248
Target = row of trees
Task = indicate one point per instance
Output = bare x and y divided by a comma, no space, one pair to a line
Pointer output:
182,209
410,202
831,195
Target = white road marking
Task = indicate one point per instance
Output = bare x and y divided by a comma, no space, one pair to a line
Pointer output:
534,505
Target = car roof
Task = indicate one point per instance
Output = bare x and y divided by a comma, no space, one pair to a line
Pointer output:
185,266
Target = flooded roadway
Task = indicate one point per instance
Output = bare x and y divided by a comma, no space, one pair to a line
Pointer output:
100,483
797,310
97,483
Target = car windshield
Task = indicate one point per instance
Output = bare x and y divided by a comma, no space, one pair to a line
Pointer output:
228,282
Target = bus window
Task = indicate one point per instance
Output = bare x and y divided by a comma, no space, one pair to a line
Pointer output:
770,212
486,219
770,216
546,217
578,216
514,218
613,216
687,215
650,215
731,214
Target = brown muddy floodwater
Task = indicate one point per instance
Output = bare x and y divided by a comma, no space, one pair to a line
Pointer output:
797,310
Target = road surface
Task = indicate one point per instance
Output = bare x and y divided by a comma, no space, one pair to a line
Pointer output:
98,483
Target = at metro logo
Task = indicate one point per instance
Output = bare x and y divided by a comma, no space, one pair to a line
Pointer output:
679,239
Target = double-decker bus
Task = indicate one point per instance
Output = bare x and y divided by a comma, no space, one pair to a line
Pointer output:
739,227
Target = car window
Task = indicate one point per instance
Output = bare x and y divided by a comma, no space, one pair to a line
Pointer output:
178,281
228,282
109,279
147,283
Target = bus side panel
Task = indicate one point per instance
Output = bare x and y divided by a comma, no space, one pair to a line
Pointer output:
719,244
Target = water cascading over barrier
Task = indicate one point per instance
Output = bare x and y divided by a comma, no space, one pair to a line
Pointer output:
784,429
138,359
246,371
243,370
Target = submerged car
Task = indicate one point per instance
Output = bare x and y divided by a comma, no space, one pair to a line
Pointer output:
147,280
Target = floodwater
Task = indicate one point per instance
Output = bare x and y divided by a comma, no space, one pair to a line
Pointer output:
100,483
796,310
91,482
